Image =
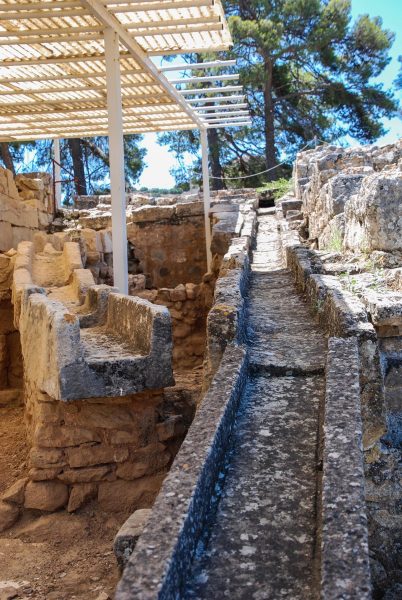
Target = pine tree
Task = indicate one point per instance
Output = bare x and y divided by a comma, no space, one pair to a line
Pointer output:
308,70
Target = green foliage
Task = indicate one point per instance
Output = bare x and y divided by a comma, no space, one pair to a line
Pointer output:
280,187
398,81
308,70
37,156
161,191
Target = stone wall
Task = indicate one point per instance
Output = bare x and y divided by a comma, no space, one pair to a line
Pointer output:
188,305
352,196
166,243
26,205
114,450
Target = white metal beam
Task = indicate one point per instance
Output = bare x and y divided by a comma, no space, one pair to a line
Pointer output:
207,195
213,99
116,154
246,116
227,114
216,64
227,88
57,173
204,110
205,79
139,54
225,124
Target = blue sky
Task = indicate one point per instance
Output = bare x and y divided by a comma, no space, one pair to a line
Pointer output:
159,161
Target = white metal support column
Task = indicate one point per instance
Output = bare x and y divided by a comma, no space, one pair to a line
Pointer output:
57,172
116,157
207,195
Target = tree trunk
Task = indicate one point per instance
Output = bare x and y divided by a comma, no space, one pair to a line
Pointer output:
269,126
214,161
6,156
78,166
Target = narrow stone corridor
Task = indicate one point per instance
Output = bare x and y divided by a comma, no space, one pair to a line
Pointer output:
264,541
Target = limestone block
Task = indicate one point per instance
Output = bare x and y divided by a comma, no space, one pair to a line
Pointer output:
46,495
152,213
44,219
88,456
16,493
6,270
9,513
24,256
187,209
6,236
124,495
17,213
87,474
83,280
40,239
44,458
178,294
27,195
191,291
128,535
7,184
145,465
53,436
21,234
136,282
92,239
44,474
59,238
81,494
374,216
72,256
107,416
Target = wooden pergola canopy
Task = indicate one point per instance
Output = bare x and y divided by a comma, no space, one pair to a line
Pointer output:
53,73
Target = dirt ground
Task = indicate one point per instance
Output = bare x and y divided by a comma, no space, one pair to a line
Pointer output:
55,556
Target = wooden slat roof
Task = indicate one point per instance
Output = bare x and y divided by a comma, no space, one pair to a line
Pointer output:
52,66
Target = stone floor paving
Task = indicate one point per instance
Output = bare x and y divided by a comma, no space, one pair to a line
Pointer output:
263,543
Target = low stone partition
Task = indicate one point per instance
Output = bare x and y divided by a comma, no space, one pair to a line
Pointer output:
345,568
129,353
342,314
226,320
162,558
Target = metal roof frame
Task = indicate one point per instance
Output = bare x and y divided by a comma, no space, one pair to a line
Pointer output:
78,68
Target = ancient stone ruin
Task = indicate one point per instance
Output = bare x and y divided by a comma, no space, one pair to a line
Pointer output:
232,433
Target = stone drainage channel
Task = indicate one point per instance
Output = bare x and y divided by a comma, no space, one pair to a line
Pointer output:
264,537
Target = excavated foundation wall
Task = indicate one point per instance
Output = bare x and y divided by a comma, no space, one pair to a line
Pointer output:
114,449
188,306
117,450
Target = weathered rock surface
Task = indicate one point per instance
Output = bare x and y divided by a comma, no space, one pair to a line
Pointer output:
128,534
9,513
49,495
363,184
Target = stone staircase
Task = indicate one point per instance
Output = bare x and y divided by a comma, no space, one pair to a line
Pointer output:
81,340
264,541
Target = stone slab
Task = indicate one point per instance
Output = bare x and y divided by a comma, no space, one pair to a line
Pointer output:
263,539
